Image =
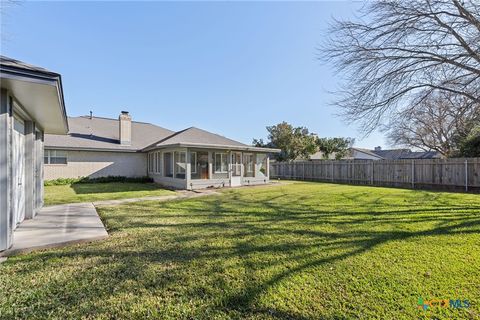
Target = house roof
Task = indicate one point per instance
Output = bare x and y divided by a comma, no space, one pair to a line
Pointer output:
195,137
422,155
38,90
369,152
399,154
103,134
391,154
96,133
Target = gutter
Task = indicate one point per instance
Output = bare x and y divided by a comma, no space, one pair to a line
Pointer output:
213,146
92,149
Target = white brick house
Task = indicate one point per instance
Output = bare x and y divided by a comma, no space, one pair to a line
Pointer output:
189,159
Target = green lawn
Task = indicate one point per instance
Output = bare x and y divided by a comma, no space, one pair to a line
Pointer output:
88,192
297,251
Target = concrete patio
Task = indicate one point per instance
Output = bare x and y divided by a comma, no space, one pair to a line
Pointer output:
56,226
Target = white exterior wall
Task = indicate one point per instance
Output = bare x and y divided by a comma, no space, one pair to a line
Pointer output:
18,204
96,164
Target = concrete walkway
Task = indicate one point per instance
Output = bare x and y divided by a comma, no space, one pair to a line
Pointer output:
57,226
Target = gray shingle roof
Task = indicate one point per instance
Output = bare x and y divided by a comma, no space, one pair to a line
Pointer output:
198,136
422,155
366,151
398,154
12,63
392,154
103,133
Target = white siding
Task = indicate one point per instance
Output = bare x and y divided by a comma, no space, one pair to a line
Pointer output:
98,164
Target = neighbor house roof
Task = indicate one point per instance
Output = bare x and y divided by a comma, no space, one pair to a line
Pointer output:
368,152
195,137
87,133
38,90
391,154
422,155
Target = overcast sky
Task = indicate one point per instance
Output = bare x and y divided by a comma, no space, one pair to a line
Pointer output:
230,68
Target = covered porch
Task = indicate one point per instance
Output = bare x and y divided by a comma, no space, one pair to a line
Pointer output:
198,168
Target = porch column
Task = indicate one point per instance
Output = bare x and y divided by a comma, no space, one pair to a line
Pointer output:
229,166
267,170
188,171
210,165
242,167
29,169
6,233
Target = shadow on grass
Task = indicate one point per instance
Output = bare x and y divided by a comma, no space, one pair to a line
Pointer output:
113,187
178,234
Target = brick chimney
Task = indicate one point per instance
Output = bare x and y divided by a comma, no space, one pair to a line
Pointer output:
378,148
125,128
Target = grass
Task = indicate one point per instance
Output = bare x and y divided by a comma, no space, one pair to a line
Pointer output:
298,251
88,192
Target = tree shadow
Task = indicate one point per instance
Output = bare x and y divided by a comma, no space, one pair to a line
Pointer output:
250,233
113,187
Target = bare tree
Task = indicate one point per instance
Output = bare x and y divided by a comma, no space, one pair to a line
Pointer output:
440,122
400,52
6,7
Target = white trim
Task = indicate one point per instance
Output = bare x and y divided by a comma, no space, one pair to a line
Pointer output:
177,162
222,155
164,174
249,169
195,166
48,154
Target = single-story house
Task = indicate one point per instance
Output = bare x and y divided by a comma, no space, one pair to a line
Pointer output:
188,159
31,105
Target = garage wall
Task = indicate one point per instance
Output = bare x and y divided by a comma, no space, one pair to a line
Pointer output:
98,164
6,229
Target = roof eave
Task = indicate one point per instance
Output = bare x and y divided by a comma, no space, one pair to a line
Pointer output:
41,77
213,146
50,147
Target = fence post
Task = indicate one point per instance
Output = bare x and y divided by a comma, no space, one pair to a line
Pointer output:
353,172
372,175
303,171
413,174
466,175
331,177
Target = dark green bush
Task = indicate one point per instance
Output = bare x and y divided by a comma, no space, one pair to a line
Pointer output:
64,181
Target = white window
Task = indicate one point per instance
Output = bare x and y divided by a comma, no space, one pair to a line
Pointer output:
55,157
261,168
158,162
155,162
180,164
221,164
150,162
167,164
193,162
249,164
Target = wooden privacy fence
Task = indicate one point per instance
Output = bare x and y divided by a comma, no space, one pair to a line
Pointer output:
448,174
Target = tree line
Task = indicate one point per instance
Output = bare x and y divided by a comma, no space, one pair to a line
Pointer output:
300,143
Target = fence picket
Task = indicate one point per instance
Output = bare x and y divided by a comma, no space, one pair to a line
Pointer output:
460,174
